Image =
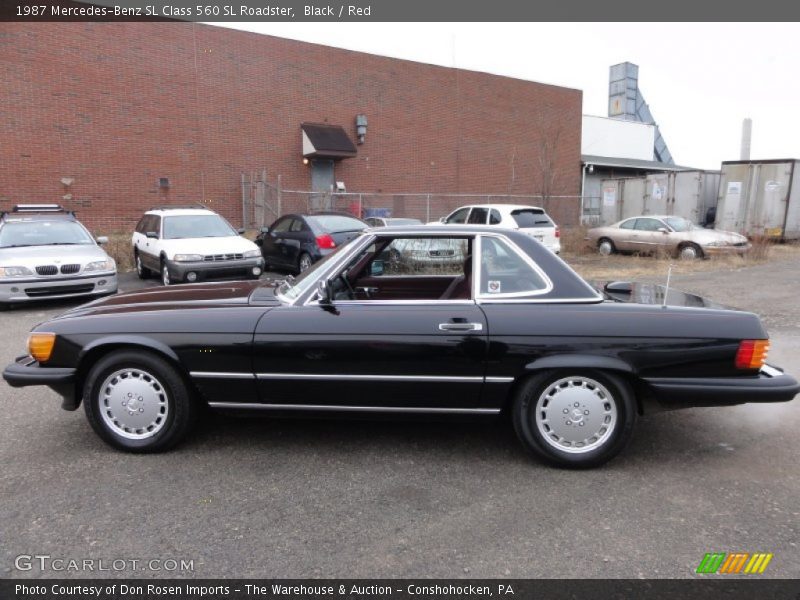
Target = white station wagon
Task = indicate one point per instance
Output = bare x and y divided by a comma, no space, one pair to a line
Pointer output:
528,219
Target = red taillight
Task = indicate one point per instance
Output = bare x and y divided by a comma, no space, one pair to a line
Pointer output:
558,232
325,242
752,354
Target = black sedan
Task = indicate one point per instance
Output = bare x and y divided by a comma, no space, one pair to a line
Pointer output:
511,329
295,242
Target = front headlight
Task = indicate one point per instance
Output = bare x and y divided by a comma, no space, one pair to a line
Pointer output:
188,257
100,265
15,272
252,253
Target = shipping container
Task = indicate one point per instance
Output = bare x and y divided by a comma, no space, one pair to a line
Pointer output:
760,198
687,194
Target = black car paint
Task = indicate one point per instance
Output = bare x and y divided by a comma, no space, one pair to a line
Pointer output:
220,336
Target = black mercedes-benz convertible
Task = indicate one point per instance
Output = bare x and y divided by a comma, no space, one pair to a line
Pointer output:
426,320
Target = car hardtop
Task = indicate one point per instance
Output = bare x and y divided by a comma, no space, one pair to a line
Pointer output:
180,212
37,212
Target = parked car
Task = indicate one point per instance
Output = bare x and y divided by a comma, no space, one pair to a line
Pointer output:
391,221
531,220
191,244
675,235
514,330
46,253
295,242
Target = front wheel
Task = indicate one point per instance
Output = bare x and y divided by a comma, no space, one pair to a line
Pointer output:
690,252
137,402
575,418
165,279
141,271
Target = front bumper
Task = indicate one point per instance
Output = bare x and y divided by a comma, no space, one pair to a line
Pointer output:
769,385
726,250
25,371
215,270
54,288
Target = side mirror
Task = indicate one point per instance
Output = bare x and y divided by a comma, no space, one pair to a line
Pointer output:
258,241
102,240
152,235
619,287
443,220
663,230
324,291
241,230
265,230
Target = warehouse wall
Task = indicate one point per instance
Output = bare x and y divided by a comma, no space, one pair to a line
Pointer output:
117,106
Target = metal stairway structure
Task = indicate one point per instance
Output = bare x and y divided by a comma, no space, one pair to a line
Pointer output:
625,101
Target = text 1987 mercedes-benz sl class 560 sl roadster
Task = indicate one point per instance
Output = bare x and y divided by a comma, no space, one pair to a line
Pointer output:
371,329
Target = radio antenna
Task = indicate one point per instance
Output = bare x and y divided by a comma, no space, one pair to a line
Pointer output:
666,288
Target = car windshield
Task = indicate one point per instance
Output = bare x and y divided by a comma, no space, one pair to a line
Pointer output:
43,233
530,217
679,224
291,289
336,223
196,226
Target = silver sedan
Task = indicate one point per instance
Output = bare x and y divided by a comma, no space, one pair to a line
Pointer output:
675,235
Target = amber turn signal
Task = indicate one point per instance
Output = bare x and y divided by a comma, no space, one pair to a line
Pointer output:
40,345
752,354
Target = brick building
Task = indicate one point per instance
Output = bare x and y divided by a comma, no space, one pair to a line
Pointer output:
112,118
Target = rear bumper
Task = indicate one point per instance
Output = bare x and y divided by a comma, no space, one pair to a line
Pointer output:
769,385
26,371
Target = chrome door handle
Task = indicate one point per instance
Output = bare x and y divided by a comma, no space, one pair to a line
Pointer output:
460,327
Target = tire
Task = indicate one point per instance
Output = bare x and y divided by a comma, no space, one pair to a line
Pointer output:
141,271
690,252
606,247
165,278
304,261
165,411
606,406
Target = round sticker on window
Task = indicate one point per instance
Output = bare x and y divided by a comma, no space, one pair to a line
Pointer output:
494,287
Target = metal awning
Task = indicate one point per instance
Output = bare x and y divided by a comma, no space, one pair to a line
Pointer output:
631,163
326,141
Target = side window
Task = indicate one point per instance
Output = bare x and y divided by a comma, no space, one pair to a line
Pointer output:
423,256
283,225
460,216
478,216
504,272
494,217
156,225
140,225
297,225
629,224
648,224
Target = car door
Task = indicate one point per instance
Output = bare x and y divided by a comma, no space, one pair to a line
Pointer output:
420,354
624,236
647,237
273,245
149,247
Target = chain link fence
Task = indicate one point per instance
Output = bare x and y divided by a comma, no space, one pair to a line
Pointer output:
263,202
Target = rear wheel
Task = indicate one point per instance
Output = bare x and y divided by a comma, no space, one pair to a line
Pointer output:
137,402
142,271
576,418
690,252
606,247
304,262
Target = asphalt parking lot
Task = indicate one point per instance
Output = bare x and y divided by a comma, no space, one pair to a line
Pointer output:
278,498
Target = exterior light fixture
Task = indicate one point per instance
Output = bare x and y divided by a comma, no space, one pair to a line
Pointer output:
305,161
361,128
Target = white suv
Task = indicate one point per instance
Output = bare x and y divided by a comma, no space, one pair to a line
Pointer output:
528,219
192,244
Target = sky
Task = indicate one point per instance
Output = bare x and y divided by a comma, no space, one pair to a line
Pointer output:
699,79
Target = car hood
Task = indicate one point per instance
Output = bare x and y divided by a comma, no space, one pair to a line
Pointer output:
179,297
27,256
706,236
211,245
